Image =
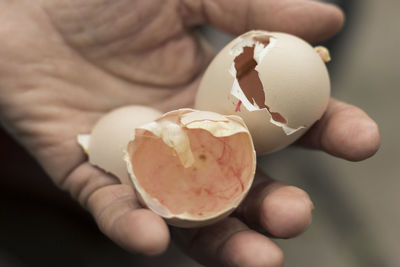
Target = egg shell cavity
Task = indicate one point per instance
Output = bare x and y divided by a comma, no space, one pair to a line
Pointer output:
276,82
192,167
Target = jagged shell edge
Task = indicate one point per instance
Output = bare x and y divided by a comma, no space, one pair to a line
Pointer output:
185,219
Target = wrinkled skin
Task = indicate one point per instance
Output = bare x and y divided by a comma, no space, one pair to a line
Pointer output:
64,63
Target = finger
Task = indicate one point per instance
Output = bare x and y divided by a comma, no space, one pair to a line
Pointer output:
283,211
344,131
117,211
312,20
230,243
120,218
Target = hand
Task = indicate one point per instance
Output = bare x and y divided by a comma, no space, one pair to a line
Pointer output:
66,63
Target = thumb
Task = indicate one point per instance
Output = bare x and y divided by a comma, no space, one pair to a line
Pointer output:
116,210
311,20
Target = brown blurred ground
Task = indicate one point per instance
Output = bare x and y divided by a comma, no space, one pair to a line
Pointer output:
356,217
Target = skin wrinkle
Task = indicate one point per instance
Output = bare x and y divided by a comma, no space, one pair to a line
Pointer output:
51,78
136,45
203,11
40,111
247,22
214,8
240,9
102,92
199,60
78,187
191,12
163,18
48,144
80,55
54,113
58,77
20,64
88,185
208,7
184,99
216,233
261,252
148,78
102,215
100,23
311,20
59,177
116,43
71,46
171,92
222,244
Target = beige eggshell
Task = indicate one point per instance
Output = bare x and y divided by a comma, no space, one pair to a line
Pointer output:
181,165
294,79
111,135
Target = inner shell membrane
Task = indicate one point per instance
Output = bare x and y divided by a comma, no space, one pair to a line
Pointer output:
221,172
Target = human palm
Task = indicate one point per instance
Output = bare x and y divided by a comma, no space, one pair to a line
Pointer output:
66,63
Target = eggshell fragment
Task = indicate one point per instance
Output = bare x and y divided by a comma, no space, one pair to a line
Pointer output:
276,82
192,167
106,143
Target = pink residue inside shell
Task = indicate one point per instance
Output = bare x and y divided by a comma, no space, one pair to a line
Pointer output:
221,171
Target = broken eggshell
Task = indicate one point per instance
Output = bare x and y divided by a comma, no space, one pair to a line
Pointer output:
193,168
276,82
106,143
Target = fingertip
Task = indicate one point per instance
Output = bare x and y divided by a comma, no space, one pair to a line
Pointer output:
311,20
357,139
286,212
366,141
371,139
248,248
314,21
142,231
335,19
328,21
344,131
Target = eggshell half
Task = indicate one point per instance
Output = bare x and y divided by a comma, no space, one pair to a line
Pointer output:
294,82
192,167
111,135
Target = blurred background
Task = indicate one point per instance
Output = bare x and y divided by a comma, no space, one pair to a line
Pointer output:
356,221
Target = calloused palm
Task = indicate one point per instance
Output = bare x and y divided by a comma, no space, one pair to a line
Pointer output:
65,63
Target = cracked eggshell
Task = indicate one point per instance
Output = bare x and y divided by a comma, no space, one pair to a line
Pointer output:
191,167
109,137
295,85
